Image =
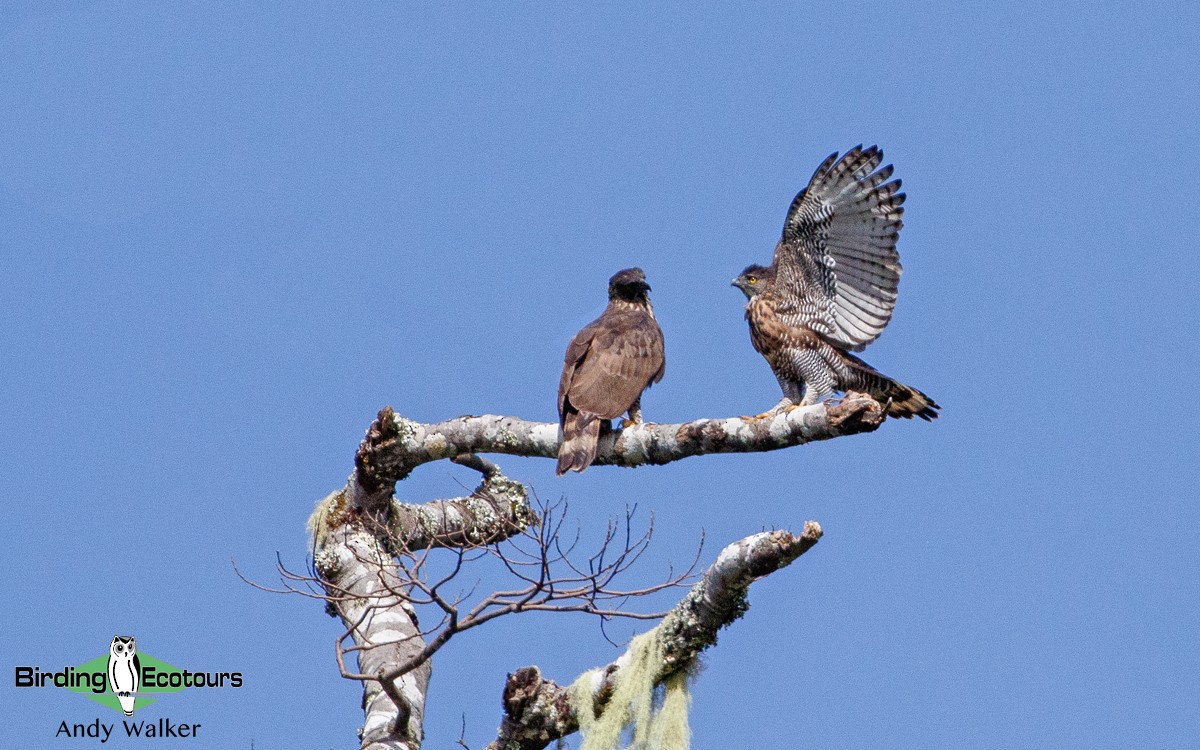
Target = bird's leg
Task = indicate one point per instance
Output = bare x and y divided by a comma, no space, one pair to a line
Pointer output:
811,396
792,400
820,387
635,414
793,393
837,400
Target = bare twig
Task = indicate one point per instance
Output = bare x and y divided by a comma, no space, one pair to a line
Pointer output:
371,554
538,711
559,586
373,569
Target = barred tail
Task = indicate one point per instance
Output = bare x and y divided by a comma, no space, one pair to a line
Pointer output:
906,401
580,433
902,400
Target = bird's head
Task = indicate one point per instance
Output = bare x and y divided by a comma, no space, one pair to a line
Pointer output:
754,279
629,285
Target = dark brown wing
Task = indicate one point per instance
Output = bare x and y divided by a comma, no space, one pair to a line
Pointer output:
577,351
610,362
836,264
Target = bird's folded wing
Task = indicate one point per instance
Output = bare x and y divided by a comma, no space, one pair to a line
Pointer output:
625,354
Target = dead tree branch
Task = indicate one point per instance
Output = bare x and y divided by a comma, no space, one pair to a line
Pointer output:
371,552
547,580
399,445
374,568
355,560
539,711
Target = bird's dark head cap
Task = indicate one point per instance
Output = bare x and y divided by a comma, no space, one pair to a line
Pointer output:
754,279
628,284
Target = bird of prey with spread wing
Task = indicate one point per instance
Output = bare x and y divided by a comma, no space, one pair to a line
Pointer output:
608,365
831,287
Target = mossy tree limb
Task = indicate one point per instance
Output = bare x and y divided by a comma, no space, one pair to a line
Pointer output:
538,711
363,536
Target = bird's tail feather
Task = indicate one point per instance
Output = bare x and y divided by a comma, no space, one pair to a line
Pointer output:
580,433
902,400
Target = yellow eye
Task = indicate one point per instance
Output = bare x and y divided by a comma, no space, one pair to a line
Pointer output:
752,279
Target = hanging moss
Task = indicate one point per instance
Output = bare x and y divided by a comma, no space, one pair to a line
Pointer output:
327,515
669,725
632,705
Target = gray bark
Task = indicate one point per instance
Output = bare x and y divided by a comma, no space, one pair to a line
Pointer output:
539,711
363,588
411,444
363,529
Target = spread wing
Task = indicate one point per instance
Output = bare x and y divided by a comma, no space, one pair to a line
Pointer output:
610,362
836,265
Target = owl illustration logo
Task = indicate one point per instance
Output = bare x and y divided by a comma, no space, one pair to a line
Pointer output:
124,671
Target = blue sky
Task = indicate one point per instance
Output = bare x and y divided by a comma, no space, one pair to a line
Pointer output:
231,234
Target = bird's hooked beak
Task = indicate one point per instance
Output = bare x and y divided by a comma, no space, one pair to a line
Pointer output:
740,284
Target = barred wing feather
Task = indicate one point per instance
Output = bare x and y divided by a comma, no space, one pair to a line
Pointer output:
836,263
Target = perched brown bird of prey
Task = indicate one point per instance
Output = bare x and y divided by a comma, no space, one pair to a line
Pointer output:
608,365
832,285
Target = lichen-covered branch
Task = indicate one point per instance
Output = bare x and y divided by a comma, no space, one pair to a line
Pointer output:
398,445
355,561
374,568
498,509
369,555
538,711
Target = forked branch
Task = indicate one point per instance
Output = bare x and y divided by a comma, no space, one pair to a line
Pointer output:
371,553
376,569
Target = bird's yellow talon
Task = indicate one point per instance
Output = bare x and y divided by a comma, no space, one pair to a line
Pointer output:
764,415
